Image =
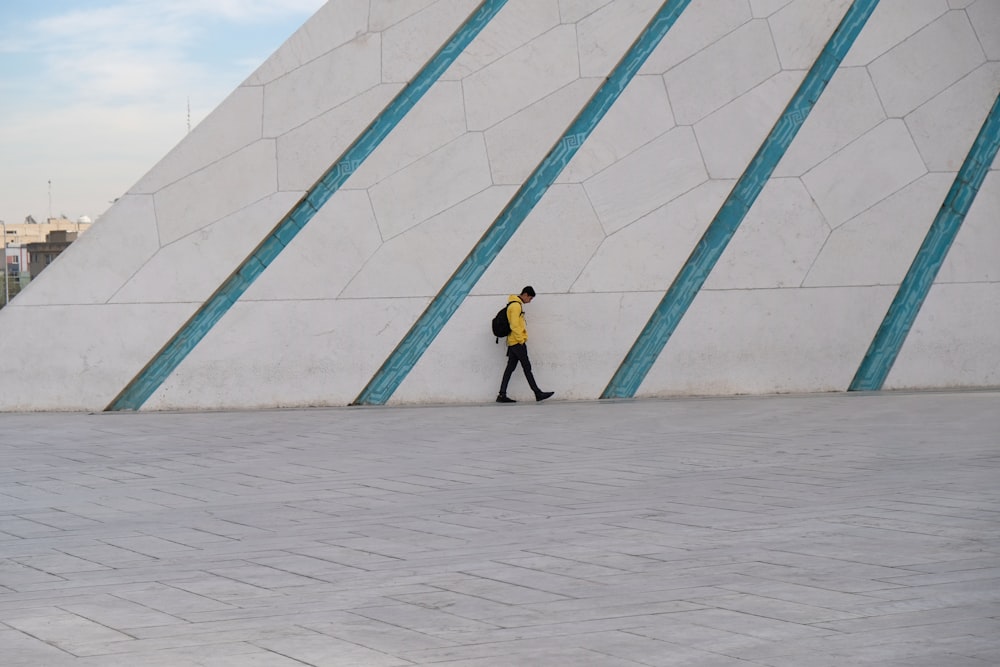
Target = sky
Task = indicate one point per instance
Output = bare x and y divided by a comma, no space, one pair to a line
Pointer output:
94,92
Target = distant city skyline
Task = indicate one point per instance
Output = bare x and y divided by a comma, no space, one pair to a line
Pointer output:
94,92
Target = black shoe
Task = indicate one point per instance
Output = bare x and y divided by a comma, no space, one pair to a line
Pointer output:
502,398
542,395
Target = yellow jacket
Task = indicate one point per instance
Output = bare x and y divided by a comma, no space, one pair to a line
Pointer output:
515,315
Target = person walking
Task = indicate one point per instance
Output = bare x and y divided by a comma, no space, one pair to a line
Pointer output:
517,346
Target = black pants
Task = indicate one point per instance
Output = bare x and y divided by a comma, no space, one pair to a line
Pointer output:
518,354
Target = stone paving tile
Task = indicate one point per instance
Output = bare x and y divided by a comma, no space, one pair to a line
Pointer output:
514,650
22,528
18,576
382,637
120,614
947,595
491,589
105,554
547,582
779,609
751,532
422,619
172,600
325,651
594,609
957,565
275,626
739,622
466,606
229,655
224,653
221,588
23,650
933,616
702,637
319,599
798,593
65,630
555,658
650,651
59,563
889,642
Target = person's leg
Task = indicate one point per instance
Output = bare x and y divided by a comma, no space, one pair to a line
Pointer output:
522,355
507,372
526,365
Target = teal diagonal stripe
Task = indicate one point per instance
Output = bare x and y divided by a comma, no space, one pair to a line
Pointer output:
920,277
678,298
180,345
402,360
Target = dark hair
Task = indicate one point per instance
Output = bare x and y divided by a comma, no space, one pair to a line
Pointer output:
529,290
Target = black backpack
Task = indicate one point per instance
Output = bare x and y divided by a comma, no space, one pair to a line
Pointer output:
501,323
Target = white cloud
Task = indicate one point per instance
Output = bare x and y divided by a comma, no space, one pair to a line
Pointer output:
123,52
91,154
138,49
100,92
243,10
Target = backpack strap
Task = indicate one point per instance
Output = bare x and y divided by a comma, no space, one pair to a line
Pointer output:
509,304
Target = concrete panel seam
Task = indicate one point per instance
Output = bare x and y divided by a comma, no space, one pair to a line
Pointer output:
138,391
912,292
675,302
159,244
430,323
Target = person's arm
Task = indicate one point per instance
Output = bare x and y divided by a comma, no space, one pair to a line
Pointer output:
518,332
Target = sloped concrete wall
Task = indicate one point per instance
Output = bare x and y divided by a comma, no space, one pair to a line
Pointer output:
791,306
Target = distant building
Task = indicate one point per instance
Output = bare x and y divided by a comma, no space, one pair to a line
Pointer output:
40,255
31,246
37,232
17,259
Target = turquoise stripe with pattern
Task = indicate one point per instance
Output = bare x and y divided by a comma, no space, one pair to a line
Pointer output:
674,304
402,360
173,353
905,307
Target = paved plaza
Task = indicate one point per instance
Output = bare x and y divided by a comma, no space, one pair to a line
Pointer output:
795,531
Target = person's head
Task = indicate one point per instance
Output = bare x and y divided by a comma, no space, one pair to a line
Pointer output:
527,294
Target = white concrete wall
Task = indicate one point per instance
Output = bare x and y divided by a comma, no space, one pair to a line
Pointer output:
791,306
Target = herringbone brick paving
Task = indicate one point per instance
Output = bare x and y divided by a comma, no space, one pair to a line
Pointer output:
796,531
